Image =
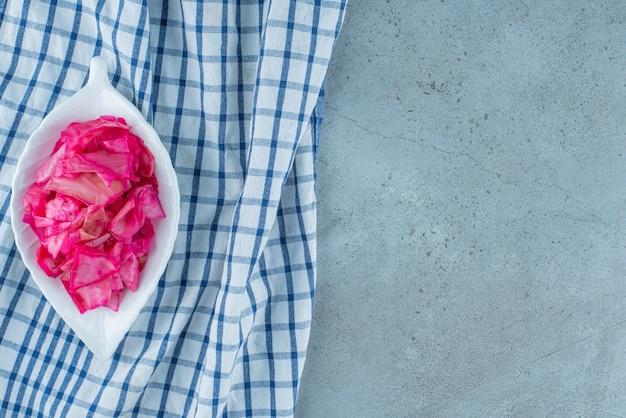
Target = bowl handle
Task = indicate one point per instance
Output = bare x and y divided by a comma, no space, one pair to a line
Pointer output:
98,73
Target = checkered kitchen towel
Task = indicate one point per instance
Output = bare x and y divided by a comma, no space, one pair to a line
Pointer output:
234,90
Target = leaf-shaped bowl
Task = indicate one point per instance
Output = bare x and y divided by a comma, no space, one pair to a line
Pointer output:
100,329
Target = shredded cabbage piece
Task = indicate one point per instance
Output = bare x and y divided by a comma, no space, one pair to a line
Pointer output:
91,207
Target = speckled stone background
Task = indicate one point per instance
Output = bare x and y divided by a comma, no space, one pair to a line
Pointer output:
472,203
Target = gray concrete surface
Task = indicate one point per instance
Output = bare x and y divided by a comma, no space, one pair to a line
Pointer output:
472,203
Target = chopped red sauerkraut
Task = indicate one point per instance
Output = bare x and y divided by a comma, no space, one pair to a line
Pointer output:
91,208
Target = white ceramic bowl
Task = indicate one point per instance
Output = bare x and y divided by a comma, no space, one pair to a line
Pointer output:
100,329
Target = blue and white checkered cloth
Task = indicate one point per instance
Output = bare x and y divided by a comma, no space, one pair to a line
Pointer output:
234,89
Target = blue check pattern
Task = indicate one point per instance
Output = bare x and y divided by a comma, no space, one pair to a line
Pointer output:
234,89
